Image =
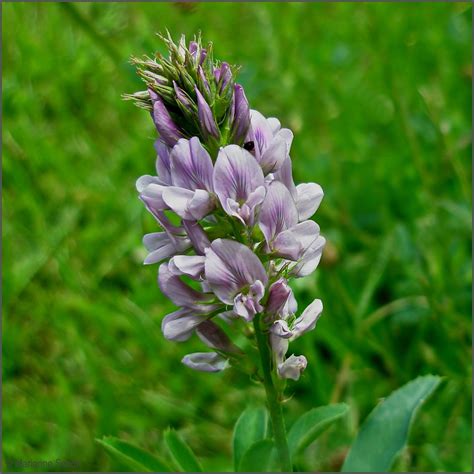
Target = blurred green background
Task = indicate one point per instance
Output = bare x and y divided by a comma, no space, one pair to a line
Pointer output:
379,98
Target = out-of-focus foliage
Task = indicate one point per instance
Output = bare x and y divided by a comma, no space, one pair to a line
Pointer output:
379,98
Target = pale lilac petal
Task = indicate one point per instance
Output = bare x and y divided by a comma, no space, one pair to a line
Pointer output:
292,367
205,361
287,135
152,196
163,164
177,291
161,246
280,328
236,176
191,165
196,234
308,199
144,181
293,242
308,319
231,266
278,212
201,204
193,205
190,265
310,259
180,325
214,337
274,124
279,347
285,176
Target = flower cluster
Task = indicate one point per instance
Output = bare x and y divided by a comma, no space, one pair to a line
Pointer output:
235,227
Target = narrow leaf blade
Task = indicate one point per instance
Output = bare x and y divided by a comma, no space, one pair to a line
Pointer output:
385,431
311,424
249,428
181,452
131,456
258,457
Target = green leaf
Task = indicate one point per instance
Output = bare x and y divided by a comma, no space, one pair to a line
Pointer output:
133,457
181,452
258,457
250,428
311,424
385,431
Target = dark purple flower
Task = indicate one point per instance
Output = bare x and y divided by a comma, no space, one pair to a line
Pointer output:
164,124
240,118
206,117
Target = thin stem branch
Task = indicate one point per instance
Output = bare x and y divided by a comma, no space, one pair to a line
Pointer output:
273,399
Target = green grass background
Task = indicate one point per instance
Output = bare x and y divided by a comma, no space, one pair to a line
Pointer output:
379,98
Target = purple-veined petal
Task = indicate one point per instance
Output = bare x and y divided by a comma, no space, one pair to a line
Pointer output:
190,265
308,319
308,199
310,259
205,361
180,325
236,176
230,267
163,164
191,165
196,234
177,291
292,367
278,212
152,196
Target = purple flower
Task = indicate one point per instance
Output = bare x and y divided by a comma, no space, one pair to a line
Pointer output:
238,183
236,276
180,325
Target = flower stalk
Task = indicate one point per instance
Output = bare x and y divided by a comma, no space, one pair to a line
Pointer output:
273,397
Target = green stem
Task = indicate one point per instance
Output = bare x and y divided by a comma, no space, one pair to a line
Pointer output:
273,399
